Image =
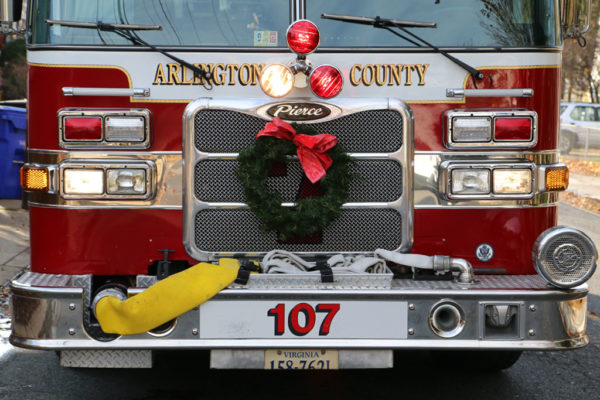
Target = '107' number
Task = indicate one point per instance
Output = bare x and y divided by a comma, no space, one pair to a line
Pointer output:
309,313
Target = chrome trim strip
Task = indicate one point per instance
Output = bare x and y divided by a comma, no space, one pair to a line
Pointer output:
64,153
428,177
166,167
242,49
416,344
492,115
169,178
460,93
300,10
103,113
88,91
404,205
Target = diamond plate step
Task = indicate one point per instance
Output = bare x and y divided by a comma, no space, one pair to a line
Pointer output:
106,358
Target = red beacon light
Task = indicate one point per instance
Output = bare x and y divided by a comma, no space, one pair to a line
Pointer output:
303,37
326,81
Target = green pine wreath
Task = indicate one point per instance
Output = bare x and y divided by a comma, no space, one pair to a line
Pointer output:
311,214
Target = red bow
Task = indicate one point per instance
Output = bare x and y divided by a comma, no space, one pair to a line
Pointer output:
312,150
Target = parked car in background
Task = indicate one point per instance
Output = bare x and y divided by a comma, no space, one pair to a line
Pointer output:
578,120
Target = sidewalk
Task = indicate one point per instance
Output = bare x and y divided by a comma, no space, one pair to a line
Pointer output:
14,239
585,185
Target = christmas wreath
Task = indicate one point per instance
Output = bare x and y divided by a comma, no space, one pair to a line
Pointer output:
322,160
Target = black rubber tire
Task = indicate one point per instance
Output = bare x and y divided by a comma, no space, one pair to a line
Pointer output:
565,142
478,360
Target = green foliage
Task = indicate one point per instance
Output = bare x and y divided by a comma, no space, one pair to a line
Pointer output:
13,51
14,70
312,214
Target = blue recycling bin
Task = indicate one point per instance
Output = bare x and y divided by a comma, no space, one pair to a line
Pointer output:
13,124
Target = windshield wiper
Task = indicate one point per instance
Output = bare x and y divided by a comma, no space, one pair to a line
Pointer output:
387,24
125,31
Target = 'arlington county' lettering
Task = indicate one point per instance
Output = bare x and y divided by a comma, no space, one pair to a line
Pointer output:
388,74
249,74
222,74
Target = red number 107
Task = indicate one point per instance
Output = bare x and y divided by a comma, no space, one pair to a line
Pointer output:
278,312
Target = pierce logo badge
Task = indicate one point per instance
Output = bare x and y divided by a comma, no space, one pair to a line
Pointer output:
299,111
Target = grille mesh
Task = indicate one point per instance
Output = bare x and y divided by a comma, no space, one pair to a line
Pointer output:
357,230
227,131
378,181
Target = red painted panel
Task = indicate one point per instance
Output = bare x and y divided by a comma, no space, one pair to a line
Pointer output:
103,242
458,232
46,83
46,98
125,242
545,83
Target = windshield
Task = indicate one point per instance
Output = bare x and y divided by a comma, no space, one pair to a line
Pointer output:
219,23
460,23
263,23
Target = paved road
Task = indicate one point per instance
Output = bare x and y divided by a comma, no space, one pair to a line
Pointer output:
26,374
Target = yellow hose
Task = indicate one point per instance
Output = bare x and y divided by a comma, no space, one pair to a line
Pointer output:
166,299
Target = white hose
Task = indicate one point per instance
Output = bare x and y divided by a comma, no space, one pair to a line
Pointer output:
410,260
285,262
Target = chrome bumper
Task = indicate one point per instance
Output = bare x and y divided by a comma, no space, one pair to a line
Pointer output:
48,313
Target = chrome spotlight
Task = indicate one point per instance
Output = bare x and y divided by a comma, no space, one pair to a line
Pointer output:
564,256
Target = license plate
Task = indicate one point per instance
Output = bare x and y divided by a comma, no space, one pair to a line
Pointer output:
301,359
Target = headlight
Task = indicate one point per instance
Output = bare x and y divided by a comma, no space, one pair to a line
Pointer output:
83,181
512,181
564,256
126,181
470,181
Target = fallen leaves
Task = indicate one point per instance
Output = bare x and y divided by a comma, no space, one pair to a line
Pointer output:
577,166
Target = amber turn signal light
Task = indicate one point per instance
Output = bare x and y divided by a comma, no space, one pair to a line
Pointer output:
557,178
35,178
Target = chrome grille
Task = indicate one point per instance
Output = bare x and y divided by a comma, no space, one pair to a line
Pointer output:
240,227
379,181
378,213
225,131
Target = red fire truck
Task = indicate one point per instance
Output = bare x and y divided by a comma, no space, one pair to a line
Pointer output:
297,184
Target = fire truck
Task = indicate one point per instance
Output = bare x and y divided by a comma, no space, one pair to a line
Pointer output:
298,184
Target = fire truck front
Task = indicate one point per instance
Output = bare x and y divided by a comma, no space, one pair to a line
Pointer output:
343,178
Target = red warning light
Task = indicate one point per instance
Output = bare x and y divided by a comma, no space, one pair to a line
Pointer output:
326,81
303,37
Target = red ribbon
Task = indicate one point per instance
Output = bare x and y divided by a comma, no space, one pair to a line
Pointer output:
311,149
